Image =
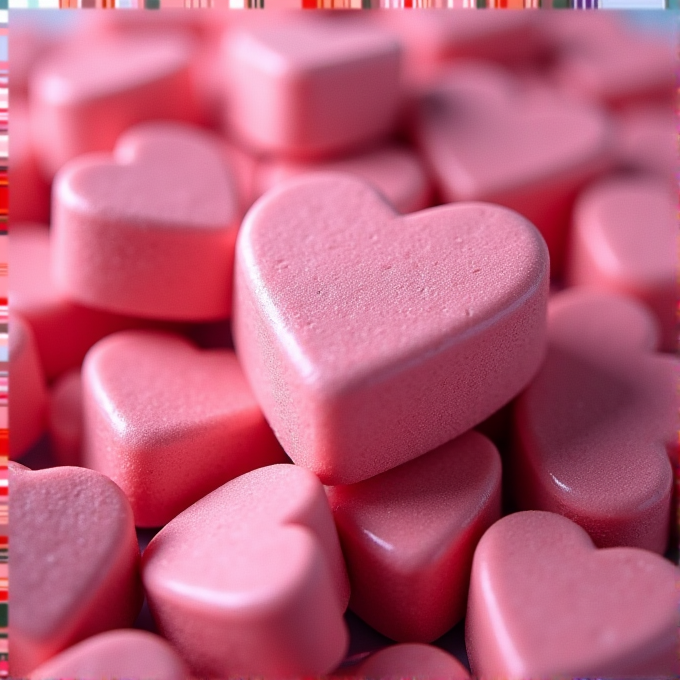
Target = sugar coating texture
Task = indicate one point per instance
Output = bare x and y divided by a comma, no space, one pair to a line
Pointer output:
63,329
236,606
624,240
149,231
85,96
116,654
74,560
544,602
408,536
597,429
311,88
168,422
29,391
65,418
369,338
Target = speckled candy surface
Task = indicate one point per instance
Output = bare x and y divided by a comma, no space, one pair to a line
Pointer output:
148,231
597,428
309,87
74,561
624,240
250,580
168,422
116,654
408,536
369,338
545,603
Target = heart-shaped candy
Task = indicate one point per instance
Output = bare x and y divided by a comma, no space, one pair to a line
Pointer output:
623,239
595,428
150,231
250,579
408,536
495,144
74,561
88,93
65,418
545,603
168,422
369,338
116,654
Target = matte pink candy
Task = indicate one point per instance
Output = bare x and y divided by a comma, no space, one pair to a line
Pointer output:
29,392
63,330
545,603
74,561
168,422
148,231
624,240
416,661
311,87
408,536
65,418
596,428
250,580
486,141
116,654
369,338
86,95
396,172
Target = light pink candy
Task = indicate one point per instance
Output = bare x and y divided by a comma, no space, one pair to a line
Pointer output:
545,603
250,580
369,338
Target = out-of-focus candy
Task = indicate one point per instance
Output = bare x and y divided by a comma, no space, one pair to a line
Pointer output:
369,338
250,579
29,392
65,418
311,88
545,603
170,423
595,429
74,561
116,654
149,231
408,536
624,239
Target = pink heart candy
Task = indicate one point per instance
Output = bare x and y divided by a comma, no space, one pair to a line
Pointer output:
168,422
623,240
596,427
116,654
486,141
369,338
250,579
408,536
150,231
545,603
65,418
74,561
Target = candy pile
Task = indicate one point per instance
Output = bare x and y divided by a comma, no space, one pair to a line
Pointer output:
353,310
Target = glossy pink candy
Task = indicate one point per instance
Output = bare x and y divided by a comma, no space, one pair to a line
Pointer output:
64,330
396,172
486,141
29,392
545,603
168,422
596,427
250,579
87,94
116,654
65,418
370,338
74,561
310,87
624,238
149,231
408,536
414,661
